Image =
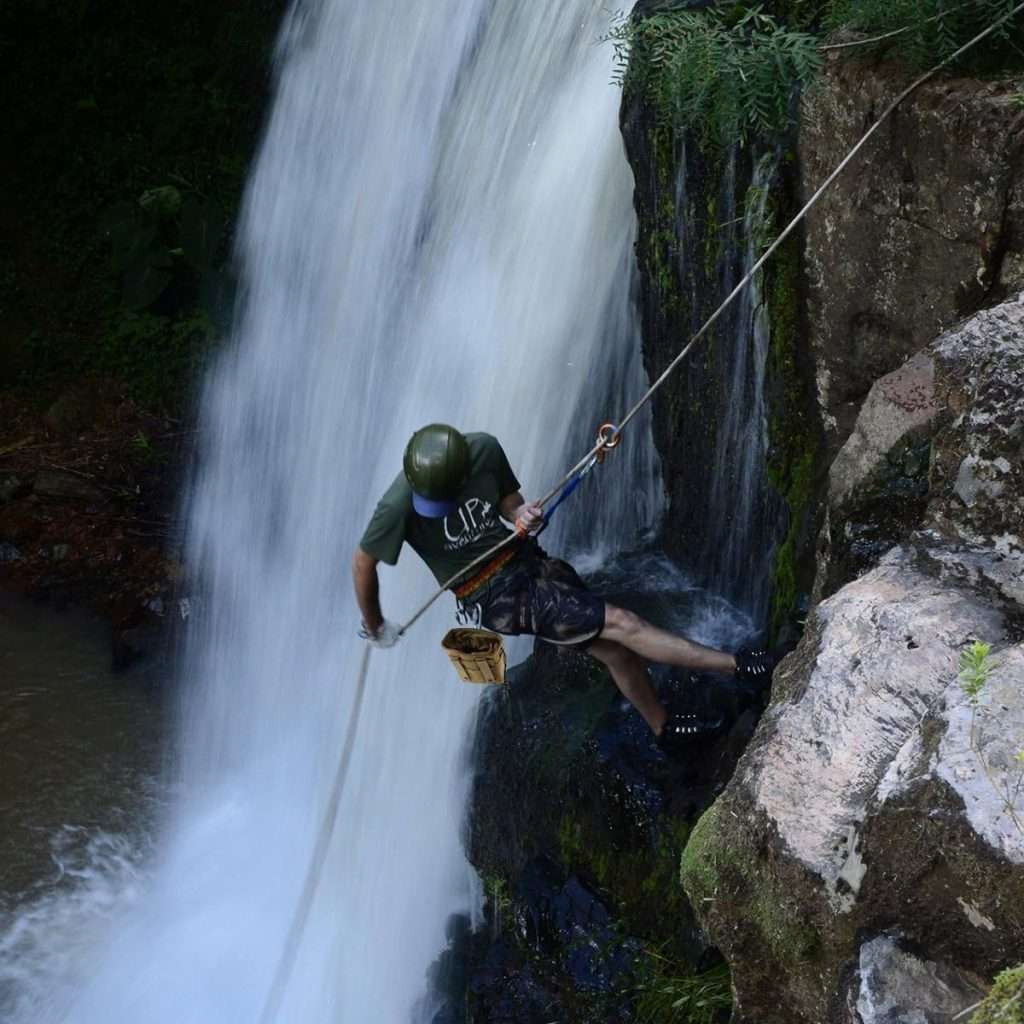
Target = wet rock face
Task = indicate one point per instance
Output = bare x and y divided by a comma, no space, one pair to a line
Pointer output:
938,445
873,796
926,228
978,475
893,986
576,825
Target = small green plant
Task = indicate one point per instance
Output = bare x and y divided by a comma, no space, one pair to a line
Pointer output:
668,993
496,890
728,72
1005,1002
976,668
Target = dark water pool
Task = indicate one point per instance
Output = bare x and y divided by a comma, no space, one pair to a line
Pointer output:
80,747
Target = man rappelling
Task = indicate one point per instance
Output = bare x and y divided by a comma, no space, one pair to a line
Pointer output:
451,504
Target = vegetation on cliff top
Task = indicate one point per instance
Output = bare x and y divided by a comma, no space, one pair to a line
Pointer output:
731,70
128,150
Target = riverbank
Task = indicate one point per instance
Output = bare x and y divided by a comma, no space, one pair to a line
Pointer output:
89,484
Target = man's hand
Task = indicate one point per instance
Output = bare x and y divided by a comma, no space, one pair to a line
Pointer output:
526,516
385,635
529,517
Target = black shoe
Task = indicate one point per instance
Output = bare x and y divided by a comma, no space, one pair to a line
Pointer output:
681,729
755,667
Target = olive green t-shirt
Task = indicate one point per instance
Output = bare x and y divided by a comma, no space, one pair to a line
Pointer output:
449,544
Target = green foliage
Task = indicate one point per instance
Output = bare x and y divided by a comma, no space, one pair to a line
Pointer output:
976,666
668,993
500,902
1005,1002
160,238
728,72
925,32
129,144
643,880
155,355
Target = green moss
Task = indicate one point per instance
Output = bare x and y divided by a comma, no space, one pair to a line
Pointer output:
720,879
643,882
662,248
1005,1002
793,446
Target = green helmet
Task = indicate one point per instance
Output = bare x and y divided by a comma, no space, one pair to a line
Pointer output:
436,462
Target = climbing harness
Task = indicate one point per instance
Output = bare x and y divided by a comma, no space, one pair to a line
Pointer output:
467,642
608,438
474,583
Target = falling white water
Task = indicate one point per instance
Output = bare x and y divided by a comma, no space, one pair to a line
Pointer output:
739,562
439,227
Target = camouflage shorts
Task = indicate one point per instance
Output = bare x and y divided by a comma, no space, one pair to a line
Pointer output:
543,597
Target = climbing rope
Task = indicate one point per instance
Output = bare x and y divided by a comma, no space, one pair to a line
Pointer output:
608,438
272,1006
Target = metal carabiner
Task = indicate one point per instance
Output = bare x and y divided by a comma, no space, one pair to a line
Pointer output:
608,437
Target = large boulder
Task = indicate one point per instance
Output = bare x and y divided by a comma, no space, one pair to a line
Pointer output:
977,479
874,800
938,444
925,229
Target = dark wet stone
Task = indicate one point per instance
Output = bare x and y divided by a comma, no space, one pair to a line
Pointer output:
60,486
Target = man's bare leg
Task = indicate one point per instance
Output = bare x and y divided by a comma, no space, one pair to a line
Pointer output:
636,634
629,671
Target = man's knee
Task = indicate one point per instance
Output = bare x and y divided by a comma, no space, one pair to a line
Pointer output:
619,623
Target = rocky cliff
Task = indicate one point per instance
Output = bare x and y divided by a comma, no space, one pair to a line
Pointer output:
924,229
866,861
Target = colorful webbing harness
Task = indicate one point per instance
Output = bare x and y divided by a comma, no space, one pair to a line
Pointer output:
468,609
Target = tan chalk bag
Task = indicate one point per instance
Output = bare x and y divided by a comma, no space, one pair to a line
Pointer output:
477,654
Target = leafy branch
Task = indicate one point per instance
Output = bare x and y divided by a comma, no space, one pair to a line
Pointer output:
733,76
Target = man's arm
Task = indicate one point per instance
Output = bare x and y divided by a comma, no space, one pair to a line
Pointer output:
515,509
367,587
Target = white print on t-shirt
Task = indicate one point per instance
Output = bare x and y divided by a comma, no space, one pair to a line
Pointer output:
472,520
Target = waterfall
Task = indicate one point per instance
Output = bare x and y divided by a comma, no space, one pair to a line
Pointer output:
725,518
741,542
438,227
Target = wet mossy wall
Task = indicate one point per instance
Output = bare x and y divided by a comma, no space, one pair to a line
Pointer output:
691,200
795,445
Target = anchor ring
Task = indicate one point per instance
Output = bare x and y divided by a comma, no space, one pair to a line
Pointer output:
608,436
